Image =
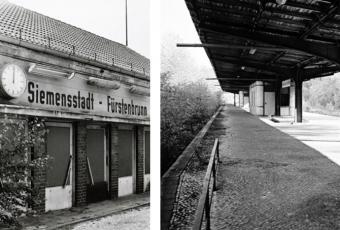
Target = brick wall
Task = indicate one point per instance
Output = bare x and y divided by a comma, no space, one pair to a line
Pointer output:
140,160
81,173
39,180
113,159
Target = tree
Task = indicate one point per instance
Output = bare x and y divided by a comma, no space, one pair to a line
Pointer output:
185,109
18,140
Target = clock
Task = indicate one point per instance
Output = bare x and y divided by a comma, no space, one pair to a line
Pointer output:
12,81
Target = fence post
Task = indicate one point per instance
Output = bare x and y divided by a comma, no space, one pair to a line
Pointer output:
214,175
207,212
218,151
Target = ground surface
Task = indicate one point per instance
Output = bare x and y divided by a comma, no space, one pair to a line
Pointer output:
269,180
63,219
180,185
191,181
321,132
138,219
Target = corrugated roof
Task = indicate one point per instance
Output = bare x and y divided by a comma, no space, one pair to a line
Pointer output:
20,23
238,36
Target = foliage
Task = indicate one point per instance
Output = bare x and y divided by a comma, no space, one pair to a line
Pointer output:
322,94
185,109
18,139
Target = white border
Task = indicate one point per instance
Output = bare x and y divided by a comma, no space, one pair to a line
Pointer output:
155,113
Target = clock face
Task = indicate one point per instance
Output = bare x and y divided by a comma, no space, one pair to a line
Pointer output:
13,81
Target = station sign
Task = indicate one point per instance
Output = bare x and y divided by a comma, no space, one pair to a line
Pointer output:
47,96
77,96
47,90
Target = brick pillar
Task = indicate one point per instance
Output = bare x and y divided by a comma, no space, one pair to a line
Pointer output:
140,160
113,162
278,97
81,172
298,96
39,179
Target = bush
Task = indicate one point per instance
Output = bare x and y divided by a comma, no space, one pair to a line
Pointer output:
18,139
185,109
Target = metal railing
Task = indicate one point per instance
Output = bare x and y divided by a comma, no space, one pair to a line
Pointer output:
204,203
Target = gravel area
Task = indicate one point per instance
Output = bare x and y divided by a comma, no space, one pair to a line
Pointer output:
138,218
191,181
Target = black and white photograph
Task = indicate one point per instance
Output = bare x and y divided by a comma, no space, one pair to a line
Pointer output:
74,114
250,121
169,114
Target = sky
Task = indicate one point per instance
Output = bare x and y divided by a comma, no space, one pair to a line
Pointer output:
176,22
102,17
177,27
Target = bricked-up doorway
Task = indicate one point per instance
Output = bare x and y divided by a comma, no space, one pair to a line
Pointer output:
59,174
147,159
97,189
126,159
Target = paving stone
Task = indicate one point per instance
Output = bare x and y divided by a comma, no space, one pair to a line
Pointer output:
269,180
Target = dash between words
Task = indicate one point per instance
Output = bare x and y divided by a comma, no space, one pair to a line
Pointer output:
78,101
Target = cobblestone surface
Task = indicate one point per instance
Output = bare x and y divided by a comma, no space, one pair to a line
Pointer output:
138,219
62,219
269,180
172,178
191,181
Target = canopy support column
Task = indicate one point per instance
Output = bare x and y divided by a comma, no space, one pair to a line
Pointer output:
298,96
234,99
241,98
278,97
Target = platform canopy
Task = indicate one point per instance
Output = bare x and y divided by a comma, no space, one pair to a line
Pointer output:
268,40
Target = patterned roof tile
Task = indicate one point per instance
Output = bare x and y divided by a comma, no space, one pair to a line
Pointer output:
20,23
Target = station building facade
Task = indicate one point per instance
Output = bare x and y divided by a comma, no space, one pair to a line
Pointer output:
268,98
93,95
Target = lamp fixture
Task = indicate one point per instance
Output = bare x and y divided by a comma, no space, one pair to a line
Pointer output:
281,2
47,71
102,83
243,68
139,90
71,76
252,51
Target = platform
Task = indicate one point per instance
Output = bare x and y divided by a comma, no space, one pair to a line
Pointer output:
321,132
270,180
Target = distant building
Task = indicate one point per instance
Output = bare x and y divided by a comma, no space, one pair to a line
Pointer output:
94,95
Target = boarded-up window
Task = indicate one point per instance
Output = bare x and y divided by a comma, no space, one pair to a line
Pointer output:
147,152
125,146
58,147
95,153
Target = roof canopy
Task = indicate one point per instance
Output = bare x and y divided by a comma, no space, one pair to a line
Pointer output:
249,40
23,24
